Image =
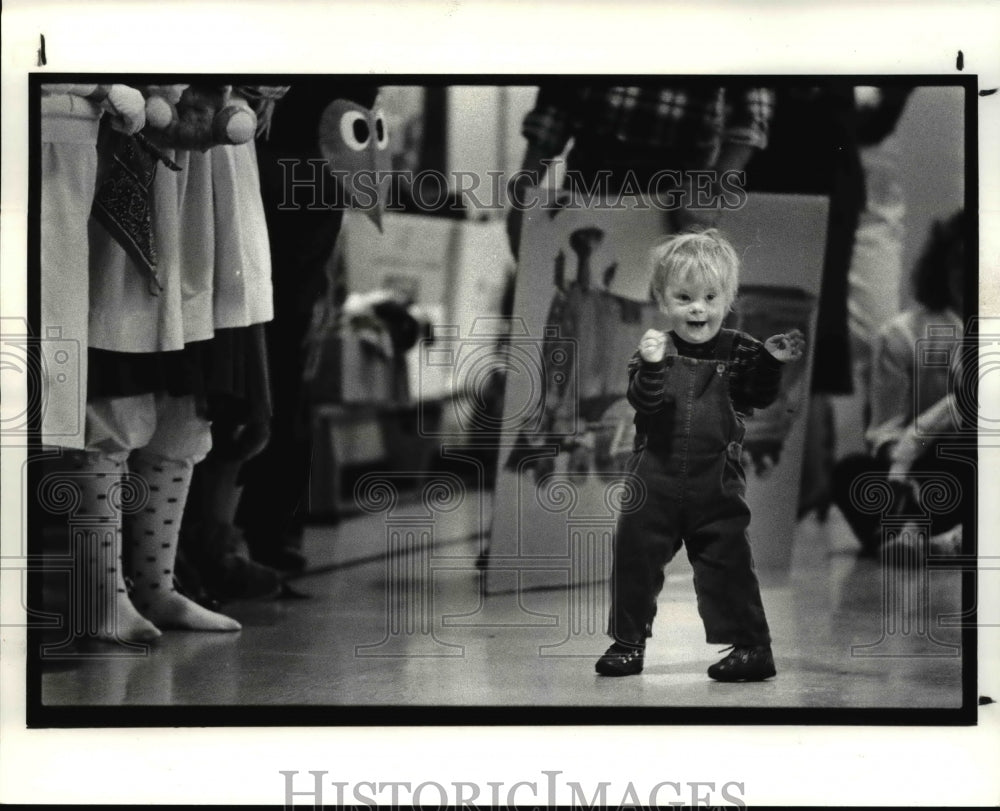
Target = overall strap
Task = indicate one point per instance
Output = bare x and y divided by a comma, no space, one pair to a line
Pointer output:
724,346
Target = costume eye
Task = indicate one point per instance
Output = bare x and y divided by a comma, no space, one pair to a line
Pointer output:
381,132
355,130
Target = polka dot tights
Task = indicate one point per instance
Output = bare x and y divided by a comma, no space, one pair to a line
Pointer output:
101,607
152,534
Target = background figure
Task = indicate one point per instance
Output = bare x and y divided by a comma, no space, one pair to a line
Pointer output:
215,563
632,135
71,116
304,210
912,401
162,279
629,141
70,119
813,149
876,272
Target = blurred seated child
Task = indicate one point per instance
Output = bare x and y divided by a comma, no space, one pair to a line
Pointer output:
913,408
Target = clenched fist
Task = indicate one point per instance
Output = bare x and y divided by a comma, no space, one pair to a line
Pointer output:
655,345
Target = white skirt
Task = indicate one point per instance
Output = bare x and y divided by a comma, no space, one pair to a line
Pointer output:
213,259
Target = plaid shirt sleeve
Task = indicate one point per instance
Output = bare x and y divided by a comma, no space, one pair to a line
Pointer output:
646,385
748,116
548,126
756,375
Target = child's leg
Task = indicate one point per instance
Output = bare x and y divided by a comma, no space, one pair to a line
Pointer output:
210,543
109,613
112,427
646,540
729,595
637,578
729,600
181,439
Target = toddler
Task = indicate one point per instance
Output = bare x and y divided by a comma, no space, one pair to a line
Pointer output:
691,388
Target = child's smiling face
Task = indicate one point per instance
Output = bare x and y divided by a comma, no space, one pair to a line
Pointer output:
695,308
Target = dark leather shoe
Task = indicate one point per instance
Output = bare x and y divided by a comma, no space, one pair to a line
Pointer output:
745,664
621,660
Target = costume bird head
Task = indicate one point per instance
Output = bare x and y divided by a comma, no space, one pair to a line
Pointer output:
355,144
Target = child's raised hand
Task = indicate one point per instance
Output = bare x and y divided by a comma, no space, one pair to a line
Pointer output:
655,345
786,347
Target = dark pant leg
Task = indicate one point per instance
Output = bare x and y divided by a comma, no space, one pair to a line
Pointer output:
846,483
646,540
934,474
276,481
724,577
273,508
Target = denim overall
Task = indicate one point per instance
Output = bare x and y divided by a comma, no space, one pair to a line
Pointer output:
689,462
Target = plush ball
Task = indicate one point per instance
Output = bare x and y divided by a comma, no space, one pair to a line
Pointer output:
234,125
160,113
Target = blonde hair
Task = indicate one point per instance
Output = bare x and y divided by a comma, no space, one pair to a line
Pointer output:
705,256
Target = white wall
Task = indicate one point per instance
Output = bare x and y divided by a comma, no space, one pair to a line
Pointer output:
931,165
484,128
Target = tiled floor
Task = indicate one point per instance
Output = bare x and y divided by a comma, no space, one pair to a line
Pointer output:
429,635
